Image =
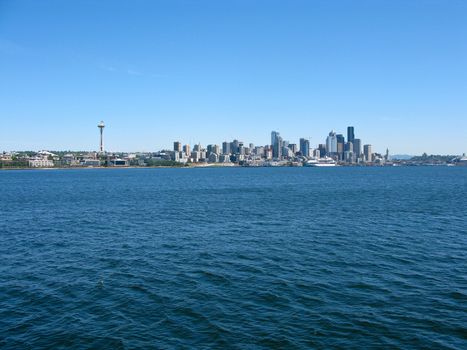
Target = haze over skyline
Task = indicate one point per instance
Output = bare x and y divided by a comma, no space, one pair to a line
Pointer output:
209,71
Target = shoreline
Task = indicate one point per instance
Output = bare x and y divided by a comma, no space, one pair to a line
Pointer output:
128,167
226,166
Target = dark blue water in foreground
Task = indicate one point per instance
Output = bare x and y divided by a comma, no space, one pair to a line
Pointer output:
268,258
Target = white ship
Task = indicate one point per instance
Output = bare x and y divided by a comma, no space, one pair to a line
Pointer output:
321,162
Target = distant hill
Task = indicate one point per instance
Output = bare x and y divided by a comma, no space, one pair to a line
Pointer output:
401,157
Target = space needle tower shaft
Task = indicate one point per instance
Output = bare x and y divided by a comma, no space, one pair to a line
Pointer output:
101,127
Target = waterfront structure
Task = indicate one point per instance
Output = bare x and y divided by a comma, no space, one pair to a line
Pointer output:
40,163
213,158
90,162
118,162
367,151
101,127
305,147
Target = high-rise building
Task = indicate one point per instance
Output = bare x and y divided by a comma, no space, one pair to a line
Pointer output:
212,149
277,148
331,143
305,147
368,153
293,147
234,146
177,146
348,152
340,145
274,136
322,149
225,147
241,148
186,150
357,147
277,144
350,134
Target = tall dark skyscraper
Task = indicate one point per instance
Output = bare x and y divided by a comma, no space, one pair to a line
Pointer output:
340,145
226,147
350,134
305,147
177,146
322,149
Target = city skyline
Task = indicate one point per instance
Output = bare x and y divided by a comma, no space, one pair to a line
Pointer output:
300,141
208,71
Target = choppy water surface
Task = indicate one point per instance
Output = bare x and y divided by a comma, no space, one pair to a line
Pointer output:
268,258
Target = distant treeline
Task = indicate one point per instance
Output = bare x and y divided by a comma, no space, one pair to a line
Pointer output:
153,162
14,164
433,158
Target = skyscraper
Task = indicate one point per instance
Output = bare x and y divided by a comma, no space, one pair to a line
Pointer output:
177,146
225,147
331,143
305,147
274,136
340,145
357,147
234,146
368,153
276,143
293,147
186,150
350,134
322,150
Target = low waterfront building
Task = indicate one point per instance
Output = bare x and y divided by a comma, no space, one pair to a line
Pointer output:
195,156
40,163
462,160
91,162
213,158
224,158
119,162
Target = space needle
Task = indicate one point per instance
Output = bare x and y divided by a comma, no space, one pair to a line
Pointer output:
101,127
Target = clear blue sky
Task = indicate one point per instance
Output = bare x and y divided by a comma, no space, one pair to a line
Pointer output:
209,71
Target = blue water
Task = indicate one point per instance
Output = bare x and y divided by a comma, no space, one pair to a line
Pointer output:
237,258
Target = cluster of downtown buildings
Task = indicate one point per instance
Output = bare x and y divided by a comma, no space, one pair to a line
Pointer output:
279,151
335,150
